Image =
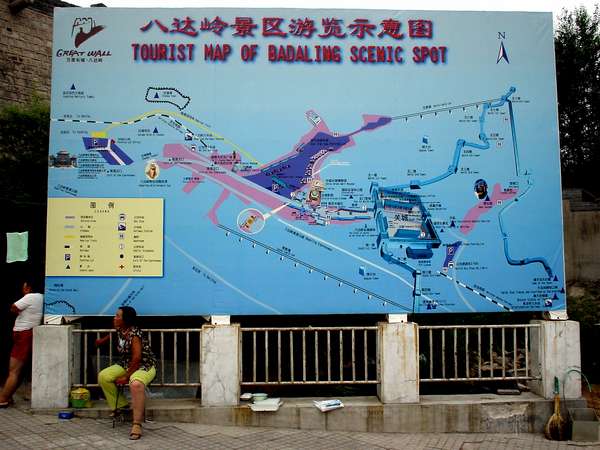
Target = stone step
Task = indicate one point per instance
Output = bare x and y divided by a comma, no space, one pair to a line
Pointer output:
586,426
490,413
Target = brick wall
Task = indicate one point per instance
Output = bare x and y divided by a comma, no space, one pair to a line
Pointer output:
26,51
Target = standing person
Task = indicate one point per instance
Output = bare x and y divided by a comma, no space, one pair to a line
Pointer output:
137,367
29,310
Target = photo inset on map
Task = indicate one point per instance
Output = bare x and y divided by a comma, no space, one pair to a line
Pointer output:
152,170
62,159
251,221
481,189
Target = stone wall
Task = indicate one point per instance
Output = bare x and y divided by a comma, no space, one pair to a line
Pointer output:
26,51
582,243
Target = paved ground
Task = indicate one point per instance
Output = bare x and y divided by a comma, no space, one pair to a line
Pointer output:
21,430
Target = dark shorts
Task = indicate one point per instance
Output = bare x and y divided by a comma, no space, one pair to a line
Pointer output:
22,345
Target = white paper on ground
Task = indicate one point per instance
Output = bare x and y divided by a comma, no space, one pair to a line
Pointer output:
270,404
328,405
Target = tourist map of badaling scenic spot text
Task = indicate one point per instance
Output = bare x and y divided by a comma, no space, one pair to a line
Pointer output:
290,161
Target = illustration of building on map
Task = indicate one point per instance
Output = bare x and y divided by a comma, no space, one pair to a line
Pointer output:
62,159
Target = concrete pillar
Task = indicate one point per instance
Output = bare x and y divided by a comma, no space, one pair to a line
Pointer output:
555,349
398,362
51,366
220,367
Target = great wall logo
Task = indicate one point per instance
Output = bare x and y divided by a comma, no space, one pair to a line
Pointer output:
83,29
86,28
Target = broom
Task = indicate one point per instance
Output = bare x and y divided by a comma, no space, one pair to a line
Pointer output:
554,429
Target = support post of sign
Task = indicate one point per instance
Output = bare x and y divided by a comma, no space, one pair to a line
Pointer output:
51,369
220,364
398,359
555,352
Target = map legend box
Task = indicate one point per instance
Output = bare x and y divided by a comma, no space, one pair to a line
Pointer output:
105,237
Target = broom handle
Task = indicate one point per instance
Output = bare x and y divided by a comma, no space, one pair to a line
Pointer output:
556,396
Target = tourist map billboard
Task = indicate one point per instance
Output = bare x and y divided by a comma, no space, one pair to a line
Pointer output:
290,161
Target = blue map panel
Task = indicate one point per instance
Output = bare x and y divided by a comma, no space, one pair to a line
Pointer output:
315,161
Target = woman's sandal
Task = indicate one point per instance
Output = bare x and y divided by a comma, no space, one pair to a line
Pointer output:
136,431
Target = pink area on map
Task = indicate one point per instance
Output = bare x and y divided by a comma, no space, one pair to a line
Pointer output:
226,160
227,179
190,185
235,183
483,206
212,214
220,168
174,151
179,151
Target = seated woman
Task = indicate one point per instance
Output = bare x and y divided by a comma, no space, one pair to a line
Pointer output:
137,367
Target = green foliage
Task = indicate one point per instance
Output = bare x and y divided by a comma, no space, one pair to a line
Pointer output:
24,133
586,308
577,46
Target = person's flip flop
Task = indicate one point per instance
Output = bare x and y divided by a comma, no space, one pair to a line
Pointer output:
4,404
136,431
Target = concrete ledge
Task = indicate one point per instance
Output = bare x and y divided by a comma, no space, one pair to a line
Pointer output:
526,413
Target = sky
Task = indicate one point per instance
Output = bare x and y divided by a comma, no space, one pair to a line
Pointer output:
460,5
